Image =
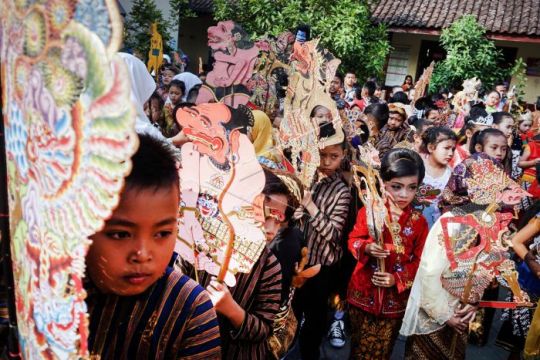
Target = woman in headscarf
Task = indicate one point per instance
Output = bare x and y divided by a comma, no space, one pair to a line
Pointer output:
142,87
261,135
192,83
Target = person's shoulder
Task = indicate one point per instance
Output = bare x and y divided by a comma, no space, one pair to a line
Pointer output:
418,218
187,292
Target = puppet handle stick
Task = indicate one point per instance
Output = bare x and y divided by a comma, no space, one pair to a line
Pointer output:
230,244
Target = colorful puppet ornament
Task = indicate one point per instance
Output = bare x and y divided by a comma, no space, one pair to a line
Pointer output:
69,136
220,230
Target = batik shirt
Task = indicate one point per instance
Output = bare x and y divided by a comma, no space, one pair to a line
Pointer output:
362,293
259,294
323,232
388,138
173,319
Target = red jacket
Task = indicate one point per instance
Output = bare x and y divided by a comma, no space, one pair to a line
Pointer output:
386,302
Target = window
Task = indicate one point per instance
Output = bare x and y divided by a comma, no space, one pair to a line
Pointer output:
398,64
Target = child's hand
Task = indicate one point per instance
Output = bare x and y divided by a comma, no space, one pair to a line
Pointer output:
376,251
220,296
308,204
456,323
383,279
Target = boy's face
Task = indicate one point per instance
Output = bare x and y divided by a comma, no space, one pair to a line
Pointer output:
350,79
395,121
134,248
331,157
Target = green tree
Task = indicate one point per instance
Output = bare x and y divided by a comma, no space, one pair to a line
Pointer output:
469,54
344,27
138,23
518,72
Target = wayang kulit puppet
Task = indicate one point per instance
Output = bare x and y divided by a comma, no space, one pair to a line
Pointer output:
69,135
465,250
235,56
271,72
311,71
221,182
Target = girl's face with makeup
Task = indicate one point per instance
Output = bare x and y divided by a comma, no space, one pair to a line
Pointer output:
402,190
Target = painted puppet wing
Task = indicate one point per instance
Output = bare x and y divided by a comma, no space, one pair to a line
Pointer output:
69,137
203,235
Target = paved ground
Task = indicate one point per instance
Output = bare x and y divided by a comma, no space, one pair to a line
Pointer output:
488,352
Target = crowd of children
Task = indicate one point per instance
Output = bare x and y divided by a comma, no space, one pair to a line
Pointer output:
144,301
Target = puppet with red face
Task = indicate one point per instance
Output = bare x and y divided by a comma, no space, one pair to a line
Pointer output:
221,183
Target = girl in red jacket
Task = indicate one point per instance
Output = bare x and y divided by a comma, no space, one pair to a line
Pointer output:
378,297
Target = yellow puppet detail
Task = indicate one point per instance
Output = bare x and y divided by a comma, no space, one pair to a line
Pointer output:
155,55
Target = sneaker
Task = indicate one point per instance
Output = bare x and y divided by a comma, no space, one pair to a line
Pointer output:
336,335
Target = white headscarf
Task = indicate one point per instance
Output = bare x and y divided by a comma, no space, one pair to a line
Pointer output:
142,87
190,80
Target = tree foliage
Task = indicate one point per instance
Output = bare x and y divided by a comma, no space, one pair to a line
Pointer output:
469,54
138,27
344,27
518,72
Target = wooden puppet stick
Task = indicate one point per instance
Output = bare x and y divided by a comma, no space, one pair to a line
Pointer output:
230,244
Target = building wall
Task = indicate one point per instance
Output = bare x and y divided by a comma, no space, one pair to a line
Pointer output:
525,50
193,40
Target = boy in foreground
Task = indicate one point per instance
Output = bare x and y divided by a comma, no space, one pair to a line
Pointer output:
141,307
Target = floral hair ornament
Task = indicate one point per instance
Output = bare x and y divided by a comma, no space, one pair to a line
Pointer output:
482,120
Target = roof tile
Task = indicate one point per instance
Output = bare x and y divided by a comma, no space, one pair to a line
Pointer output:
509,17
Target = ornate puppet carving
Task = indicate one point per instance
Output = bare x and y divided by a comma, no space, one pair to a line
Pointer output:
235,56
221,183
271,64
69,136
473,239
312,69
422,84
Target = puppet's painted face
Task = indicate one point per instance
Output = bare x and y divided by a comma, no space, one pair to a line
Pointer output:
284,41
512,195
203,124
221,36
303,53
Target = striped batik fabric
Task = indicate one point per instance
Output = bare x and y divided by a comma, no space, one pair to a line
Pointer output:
323,232
259,294
173,319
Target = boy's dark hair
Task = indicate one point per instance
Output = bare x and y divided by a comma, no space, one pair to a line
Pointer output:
435,135
401,163
399,97
499,116
420,124
179,84
370,86
462,138
428,110
380,112
153,165
480,137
